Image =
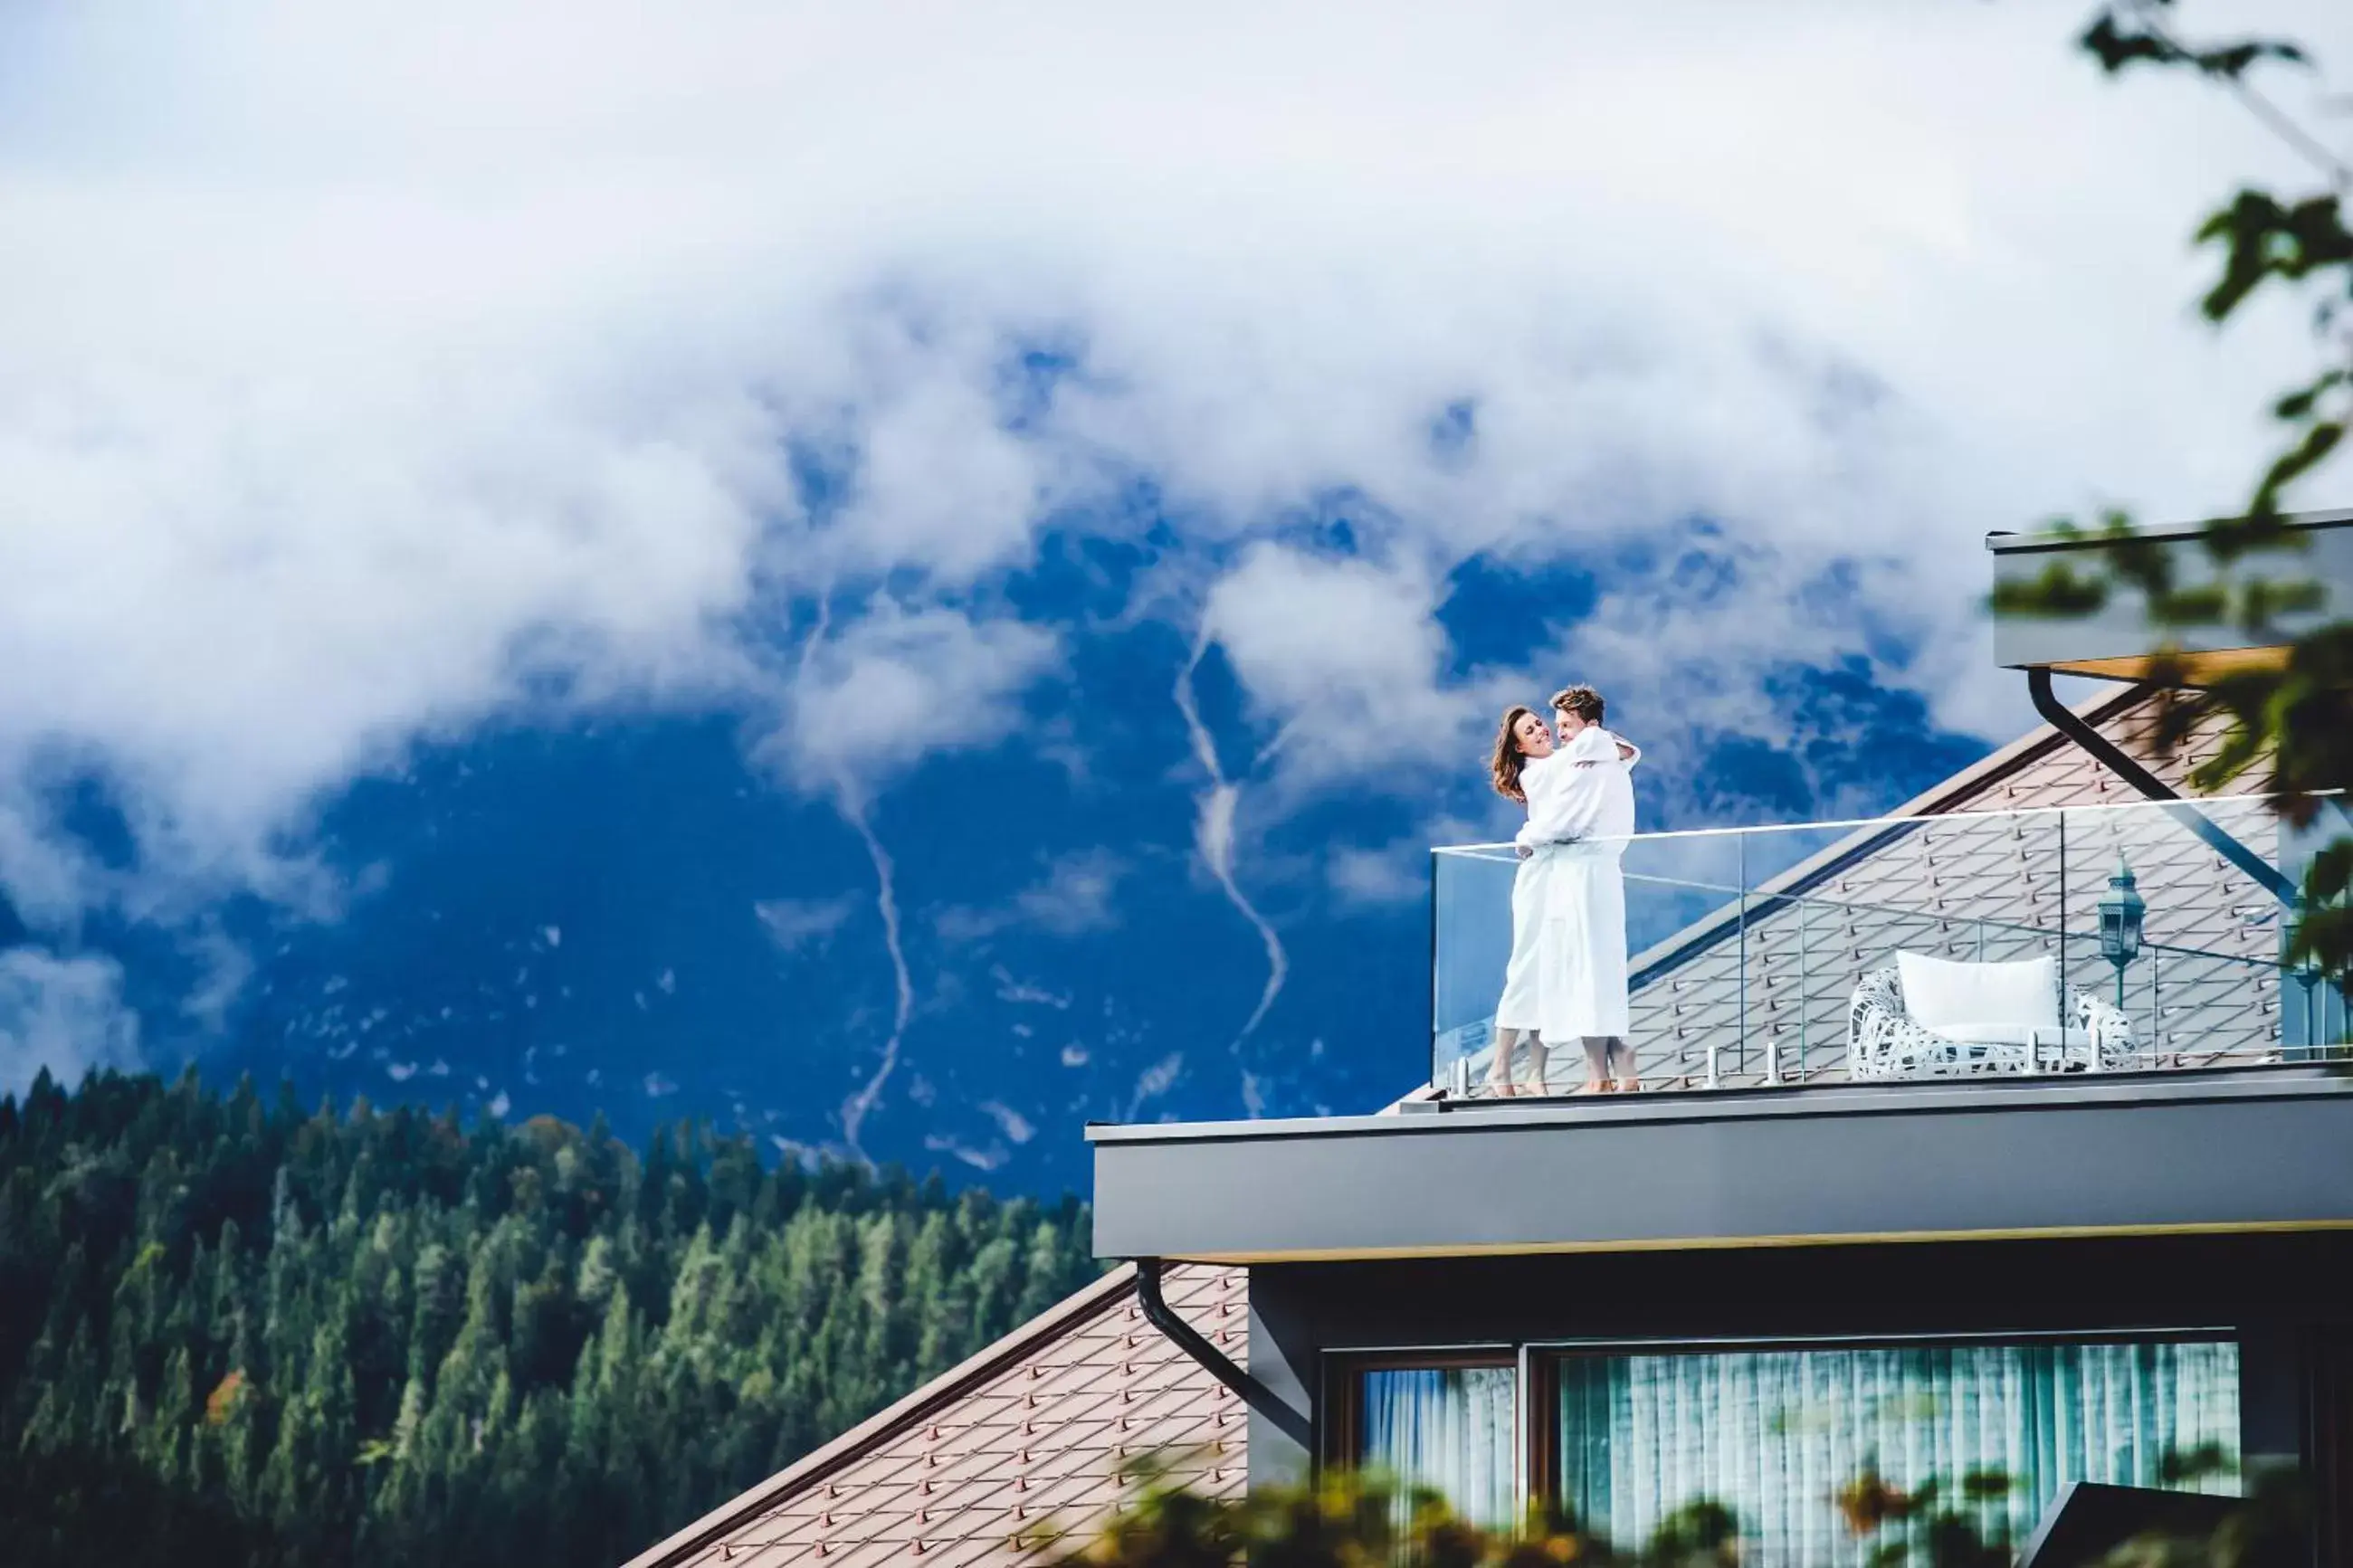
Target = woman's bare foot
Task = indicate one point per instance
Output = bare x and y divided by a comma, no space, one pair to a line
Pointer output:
1623,1067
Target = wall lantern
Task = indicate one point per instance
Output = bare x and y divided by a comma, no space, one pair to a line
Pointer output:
2120,917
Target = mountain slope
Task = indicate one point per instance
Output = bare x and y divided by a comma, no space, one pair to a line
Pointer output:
232,1331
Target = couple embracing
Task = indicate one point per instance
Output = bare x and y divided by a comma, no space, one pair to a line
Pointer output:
1566,977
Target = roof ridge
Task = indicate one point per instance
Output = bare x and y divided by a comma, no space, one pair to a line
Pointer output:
945,1389
2030,747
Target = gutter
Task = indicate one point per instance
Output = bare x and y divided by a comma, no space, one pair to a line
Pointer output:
2109,755
1254,1393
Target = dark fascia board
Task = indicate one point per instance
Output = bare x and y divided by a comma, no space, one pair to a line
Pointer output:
2043,540
1914,1097
2240,1150
2117,641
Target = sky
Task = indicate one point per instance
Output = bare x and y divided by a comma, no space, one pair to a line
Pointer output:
381,378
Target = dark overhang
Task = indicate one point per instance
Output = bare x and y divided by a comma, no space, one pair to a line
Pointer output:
2260,1149
2118,642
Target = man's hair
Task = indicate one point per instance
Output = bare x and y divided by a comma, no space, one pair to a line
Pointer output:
1581,700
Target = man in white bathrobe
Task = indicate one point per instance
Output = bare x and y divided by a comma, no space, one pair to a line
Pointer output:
1580,825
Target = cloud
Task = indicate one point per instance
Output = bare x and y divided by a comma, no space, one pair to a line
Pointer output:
1398,874
1017,1128
1343,655
228,966
1011,989
358,388
987,1159
797,923
1153,1082
899,685
63,1014
1074,899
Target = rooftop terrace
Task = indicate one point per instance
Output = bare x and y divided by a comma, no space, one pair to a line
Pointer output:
1752,946
2197,1089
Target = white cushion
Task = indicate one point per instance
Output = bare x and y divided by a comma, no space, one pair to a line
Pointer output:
1939,992
2013,1035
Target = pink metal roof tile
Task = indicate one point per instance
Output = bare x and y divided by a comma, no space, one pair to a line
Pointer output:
1959,886
1029,1429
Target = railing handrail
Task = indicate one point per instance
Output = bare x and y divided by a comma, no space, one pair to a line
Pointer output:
2239,1000
1944,917
1859,823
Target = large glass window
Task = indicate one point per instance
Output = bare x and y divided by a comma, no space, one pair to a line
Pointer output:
1449,1428
1776,1435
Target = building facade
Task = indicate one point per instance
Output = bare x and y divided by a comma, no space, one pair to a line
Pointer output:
1837,1237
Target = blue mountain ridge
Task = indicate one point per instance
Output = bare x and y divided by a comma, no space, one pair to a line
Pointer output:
624,915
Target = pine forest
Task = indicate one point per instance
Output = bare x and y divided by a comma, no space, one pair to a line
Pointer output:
238,1330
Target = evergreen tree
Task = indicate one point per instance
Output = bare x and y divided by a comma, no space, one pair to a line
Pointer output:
236,1332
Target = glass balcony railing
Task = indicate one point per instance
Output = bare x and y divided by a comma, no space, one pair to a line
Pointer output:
1765,957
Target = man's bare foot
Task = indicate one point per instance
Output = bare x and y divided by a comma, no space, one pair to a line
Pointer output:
1630,1086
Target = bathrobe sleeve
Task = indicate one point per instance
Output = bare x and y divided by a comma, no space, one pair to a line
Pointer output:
1564,802
1574,799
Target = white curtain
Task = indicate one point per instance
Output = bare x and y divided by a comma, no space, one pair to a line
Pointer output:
1446,1428
1774,1436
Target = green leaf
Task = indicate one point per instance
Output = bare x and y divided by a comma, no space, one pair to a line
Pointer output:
2299,404
2262,238
2119,45
2058,591
2318,442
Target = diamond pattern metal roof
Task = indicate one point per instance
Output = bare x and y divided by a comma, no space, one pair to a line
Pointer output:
1766,996
1026,1438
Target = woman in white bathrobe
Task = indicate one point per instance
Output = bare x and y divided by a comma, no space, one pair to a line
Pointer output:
1523,745
1566,974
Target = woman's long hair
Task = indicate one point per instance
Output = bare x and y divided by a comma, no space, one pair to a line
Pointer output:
1508,761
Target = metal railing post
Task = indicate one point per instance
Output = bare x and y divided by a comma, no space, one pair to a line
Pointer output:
1714,1077
2062,915
1805,1000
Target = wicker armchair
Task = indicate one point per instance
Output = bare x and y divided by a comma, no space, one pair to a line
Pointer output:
1884,1041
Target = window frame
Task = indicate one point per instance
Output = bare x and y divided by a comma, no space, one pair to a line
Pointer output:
1540,1387
1340,1432
1536,1387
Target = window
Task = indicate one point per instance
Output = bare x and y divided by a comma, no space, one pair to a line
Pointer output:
1622,1440
1450,1428
1775,1434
